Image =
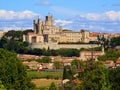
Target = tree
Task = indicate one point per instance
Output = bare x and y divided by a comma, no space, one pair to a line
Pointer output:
3,42
27,31
110,55
114,78
57,64
67,73
95,77
14,35
77,63
115,42
13,73
46,59
53,86
68,52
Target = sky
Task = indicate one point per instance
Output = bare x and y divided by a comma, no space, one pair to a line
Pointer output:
93,15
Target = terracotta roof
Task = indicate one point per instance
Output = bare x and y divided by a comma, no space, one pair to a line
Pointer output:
118,61
93,34
108,61
26,56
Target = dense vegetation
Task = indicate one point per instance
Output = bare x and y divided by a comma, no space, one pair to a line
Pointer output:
110,55
95,76
22,48
115,42
13,74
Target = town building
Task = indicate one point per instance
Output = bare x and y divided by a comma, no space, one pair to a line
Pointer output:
109,64
1,33
48,32
84,55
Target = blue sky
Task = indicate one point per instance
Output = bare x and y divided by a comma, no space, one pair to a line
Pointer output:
93,15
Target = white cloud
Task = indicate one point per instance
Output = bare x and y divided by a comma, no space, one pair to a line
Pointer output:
62,22
10,15
104,22
101,22
112,15
107,16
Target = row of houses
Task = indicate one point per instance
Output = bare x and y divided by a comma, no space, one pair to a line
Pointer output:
112,64
33,65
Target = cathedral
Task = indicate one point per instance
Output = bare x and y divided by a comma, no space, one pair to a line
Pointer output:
46,31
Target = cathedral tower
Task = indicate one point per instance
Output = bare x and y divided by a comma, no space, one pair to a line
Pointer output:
49,21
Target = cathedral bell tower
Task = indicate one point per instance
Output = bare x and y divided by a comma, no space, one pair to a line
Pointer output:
49,20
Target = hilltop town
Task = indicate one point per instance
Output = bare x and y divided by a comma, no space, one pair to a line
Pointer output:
67,54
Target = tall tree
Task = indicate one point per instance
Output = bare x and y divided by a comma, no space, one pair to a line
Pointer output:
114,78
57,64
95,77
77,63
13,73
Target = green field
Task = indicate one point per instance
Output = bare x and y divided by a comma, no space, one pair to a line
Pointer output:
47,75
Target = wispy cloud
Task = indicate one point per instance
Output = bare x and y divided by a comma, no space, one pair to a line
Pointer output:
65,11
44,3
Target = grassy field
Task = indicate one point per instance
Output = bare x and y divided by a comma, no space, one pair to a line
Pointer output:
47,75
44,79
45,82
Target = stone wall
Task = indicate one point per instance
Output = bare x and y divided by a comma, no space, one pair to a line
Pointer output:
58,46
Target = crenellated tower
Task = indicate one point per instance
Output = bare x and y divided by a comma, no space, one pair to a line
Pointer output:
49,21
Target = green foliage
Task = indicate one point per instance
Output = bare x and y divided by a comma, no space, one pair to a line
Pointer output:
46,59
3,42
77,63
110,55
42,88
53,86
95,77
13,45
67,73
13,73
14,35
68,52
50,75
2,86
115,42
114,78
77,87
57,65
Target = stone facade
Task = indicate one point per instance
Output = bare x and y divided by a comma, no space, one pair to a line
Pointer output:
48,32
60,46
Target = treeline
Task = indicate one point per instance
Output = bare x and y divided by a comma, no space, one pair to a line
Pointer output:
110,55
94,76
23,48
